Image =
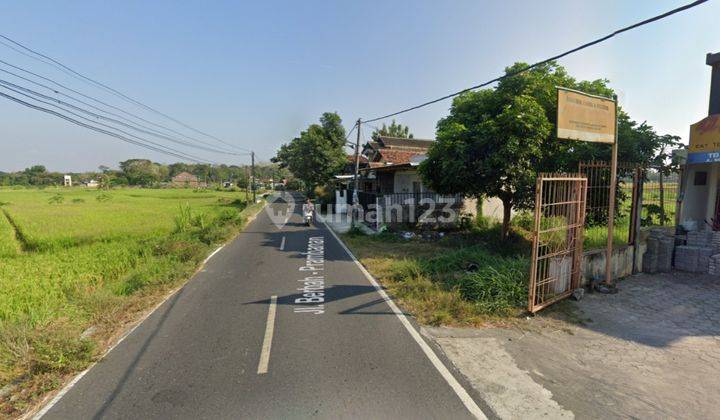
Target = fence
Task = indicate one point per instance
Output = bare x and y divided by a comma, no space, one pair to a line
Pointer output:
411,208
557,238
419,199
598,202
659,198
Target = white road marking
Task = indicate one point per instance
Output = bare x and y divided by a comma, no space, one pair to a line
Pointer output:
44,410
466,399
267,341
211,255
282,244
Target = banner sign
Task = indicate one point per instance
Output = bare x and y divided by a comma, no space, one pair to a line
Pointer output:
585,117
710,157
705,135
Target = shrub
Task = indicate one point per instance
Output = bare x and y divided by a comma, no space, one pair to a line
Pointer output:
103,197
56,199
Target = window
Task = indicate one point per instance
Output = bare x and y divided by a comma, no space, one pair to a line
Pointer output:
700,178
416,187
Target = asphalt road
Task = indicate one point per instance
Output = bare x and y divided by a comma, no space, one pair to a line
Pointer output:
204,352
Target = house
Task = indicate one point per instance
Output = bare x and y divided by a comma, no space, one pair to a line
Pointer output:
186,180
700,182
67,180
396,154
397,193
92,183
391,179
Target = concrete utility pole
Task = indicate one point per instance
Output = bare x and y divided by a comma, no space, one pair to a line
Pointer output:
713,60
356,175
252,175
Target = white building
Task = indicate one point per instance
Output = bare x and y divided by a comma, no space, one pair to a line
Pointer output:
67,181
700,182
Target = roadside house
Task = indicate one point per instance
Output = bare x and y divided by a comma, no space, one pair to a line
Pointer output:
186,180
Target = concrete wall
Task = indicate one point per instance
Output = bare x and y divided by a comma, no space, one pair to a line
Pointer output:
593,266
699,201
404,182
492,208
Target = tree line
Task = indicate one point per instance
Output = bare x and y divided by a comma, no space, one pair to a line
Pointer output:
146,173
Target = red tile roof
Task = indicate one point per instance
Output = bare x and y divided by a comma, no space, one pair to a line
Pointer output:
396,156
351,159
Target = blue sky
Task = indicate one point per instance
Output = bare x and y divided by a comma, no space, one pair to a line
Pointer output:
256,73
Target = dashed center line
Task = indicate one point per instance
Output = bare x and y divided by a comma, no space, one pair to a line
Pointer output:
267,341
282,244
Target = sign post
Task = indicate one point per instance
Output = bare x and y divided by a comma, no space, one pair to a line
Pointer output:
592,118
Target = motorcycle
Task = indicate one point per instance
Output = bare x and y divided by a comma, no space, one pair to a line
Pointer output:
308,218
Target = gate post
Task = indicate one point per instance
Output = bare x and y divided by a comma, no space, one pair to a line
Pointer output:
535,239
636,215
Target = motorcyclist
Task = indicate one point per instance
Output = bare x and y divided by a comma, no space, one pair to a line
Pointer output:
309,208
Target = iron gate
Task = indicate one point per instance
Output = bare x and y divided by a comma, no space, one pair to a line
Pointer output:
557,238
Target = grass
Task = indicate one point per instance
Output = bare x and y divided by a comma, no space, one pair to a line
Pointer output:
595,237
74,259
432,281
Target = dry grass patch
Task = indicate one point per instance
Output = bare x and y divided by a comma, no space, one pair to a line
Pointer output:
431,280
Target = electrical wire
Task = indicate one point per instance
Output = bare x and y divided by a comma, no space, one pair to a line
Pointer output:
93,114
539,63
100,130
138,138
55,63
349,143
94,100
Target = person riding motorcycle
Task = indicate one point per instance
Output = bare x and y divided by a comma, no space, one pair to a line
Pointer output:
308,212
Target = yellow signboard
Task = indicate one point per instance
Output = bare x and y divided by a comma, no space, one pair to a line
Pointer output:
705,135
585,117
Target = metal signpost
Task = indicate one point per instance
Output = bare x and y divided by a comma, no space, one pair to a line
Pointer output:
592,118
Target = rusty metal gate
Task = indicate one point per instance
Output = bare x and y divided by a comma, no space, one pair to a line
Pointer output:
557,238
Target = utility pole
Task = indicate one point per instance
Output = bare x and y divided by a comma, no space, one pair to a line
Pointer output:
357,169
252,175
611,204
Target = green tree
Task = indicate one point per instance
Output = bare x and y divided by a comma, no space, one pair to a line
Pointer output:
393,130
141,171
488,146
317,154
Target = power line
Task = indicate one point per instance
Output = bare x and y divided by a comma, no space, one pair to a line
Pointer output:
348,136
100,130
55,63
125,133
94,100
93,114
539,63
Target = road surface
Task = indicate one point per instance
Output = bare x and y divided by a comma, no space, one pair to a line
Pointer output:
248,337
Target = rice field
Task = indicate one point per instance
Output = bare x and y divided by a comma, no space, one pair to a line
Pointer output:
76,258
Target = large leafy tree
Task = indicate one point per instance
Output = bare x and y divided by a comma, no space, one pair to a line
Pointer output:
488,147
142,171
482,150
317,154
392,130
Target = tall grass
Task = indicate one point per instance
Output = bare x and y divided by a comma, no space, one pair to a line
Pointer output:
8,245
448,282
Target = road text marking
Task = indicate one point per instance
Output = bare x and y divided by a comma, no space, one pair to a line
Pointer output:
267,341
